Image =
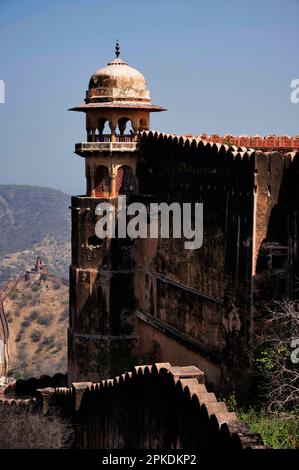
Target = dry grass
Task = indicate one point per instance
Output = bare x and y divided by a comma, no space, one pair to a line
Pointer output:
38,323
21,429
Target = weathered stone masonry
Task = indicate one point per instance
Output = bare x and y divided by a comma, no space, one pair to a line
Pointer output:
152,407
194,306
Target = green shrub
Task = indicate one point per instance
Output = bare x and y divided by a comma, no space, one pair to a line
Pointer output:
25,323
22,303
34,315
15,374
278,430
44,320
35,336
19,336
64,315
231,402
13,295
35,287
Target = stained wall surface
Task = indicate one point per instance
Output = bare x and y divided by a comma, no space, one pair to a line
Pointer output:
131,298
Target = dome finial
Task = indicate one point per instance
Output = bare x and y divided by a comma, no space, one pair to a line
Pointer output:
117,48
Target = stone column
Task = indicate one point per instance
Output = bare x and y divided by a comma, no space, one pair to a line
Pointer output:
92,181
46,394
112,126
122,126
113,175
79,389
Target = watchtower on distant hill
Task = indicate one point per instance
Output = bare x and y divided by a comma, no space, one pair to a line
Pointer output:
35,272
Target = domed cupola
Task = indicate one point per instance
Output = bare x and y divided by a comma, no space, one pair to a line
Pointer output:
117,91
117,82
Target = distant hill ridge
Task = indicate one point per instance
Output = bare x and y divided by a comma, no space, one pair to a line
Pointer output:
34,221
29,213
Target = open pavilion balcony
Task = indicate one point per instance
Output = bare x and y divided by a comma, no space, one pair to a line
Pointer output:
109,143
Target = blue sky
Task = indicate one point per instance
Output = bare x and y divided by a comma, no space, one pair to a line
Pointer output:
218,66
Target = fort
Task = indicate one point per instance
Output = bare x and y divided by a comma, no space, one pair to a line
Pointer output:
37,270
152,407
133,296
138,298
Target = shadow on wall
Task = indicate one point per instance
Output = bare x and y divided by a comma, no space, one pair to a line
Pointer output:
278,260
27,388
152,407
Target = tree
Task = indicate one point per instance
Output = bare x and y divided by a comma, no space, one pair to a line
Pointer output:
277,354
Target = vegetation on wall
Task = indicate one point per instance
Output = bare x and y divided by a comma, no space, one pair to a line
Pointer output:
275,412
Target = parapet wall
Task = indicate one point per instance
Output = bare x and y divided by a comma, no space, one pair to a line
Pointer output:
27,388
200,298
158,407
269,142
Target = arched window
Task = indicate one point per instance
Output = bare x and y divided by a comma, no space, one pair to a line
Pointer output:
103,130
102,182
94,241
124,130
125,180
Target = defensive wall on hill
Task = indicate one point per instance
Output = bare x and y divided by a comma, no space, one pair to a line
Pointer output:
159,407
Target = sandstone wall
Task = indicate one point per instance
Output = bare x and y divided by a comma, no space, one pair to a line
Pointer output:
199,298
152,407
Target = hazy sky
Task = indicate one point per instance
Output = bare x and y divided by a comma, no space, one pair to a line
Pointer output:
217,65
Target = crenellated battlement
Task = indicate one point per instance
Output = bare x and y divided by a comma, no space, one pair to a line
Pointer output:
153,406
269,142
239,145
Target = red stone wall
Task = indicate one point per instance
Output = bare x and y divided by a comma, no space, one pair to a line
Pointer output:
270,142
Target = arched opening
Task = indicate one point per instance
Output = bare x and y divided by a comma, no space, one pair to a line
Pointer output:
103,131
124,130
125,180
143,125
102,182
94,241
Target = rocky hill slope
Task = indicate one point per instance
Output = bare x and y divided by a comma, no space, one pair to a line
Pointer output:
37,315
34,221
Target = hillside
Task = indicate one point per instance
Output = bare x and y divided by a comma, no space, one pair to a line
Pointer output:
34,221
37,315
